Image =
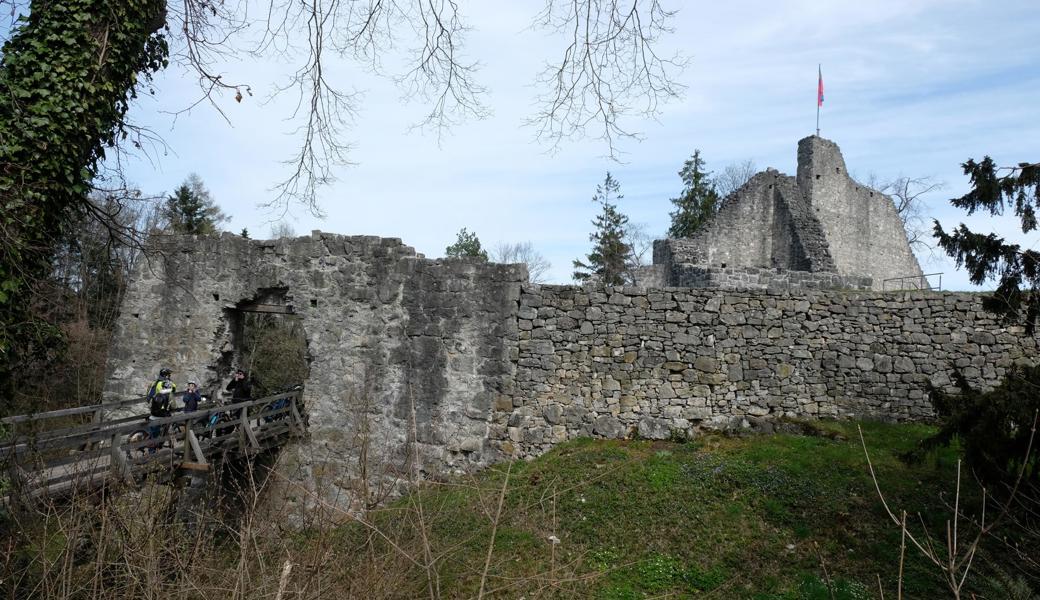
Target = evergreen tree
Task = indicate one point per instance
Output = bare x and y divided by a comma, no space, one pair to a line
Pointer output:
244,233
994,427
191,210
987,256
699,200
466,245
611,254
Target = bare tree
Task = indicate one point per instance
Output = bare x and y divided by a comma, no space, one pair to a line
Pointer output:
523,252
282,229
610,69
733,176
908,195
641,243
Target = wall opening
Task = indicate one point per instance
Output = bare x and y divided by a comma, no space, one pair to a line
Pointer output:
268,341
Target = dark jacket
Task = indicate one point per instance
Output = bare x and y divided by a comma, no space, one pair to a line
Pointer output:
241,390
191,400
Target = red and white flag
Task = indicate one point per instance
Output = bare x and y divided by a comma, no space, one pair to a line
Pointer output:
819,88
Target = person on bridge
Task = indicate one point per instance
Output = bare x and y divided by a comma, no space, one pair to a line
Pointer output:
191,397
160,394
240,388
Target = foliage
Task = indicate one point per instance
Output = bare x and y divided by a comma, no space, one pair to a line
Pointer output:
611,255
992,427
191,209
718,517
467,245
698,202
275,352
68,73
523,252
988,256
244,233
81,297
1003,584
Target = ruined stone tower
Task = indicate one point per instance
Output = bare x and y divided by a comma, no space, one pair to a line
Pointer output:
819,230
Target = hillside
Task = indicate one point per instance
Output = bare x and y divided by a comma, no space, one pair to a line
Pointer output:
748,517
787,516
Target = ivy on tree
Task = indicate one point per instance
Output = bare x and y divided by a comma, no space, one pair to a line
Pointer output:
191,209
68,73
988,256
467,245
611,255
699,200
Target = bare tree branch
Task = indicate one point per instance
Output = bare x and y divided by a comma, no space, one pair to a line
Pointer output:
734,176
908,194
609,66
537,265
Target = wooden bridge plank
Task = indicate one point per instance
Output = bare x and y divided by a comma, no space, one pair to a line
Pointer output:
46,471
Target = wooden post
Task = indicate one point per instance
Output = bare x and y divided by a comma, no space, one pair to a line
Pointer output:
195,447
297,417
99,415
119,463
247,428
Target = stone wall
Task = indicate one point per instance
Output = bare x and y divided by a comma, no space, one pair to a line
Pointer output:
458,363
755,278
395,341
617,361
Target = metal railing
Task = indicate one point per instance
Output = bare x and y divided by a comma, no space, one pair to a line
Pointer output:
913,283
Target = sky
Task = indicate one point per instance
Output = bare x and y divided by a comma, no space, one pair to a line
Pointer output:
913,88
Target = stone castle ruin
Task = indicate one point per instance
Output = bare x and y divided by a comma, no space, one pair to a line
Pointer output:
818,230
421,367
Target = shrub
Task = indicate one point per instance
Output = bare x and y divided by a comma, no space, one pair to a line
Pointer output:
994,427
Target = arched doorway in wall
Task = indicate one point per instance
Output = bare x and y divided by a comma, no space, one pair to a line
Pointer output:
268,341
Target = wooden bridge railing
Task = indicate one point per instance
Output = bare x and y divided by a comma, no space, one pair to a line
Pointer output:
45,461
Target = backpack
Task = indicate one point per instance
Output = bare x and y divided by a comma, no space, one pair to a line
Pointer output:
159,402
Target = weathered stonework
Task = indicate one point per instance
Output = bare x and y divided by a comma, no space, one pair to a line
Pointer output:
426,367
620,361
402,348
756,278
821,221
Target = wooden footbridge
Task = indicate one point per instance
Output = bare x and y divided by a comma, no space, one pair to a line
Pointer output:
77,449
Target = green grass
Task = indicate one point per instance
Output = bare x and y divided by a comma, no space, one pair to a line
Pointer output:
735,517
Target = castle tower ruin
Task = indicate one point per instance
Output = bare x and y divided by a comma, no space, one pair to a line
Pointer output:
818,230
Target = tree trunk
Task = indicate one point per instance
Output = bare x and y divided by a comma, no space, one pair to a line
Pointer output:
67,74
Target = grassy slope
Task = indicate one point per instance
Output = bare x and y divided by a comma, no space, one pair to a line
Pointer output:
726,517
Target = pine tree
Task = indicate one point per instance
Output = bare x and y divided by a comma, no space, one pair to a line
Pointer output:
987,256
611,255
191,210
699,200
467,245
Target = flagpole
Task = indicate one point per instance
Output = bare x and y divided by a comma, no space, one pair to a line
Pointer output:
819,73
